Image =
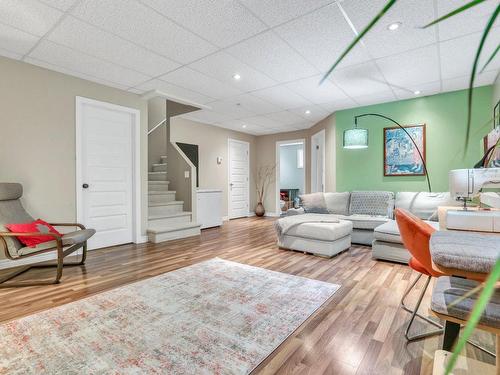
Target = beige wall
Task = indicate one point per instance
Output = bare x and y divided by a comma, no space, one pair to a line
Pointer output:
496,90
37,139
266,155
157,140
213,142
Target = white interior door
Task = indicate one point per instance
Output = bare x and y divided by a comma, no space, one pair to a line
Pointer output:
318,162
105,164
238,179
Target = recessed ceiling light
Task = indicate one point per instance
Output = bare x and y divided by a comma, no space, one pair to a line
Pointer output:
236,76
307,112
394,26
416,92
243,126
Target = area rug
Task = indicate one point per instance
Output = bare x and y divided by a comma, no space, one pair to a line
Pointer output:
215,317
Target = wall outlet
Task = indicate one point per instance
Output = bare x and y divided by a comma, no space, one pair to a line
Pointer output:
186,174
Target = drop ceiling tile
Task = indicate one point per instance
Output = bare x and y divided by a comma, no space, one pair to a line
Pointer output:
174,91
425,89
382,42
15,40
199,82
468,22
223,66
359,80
70,59
73,73
136,91
412,67
93,41
285,117
282,97
457,55
380,97
338,105
322,36
10,54
63,5
269,54
461,83
276,12
221,22
144,26
237,125
31,16
311,113
315,92
230,109
303,125
205,116
254,104
261,121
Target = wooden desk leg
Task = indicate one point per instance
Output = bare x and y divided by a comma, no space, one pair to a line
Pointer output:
451,333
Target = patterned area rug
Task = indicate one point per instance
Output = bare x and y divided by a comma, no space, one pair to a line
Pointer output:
215,317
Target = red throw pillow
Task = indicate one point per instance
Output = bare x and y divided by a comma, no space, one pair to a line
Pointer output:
35,226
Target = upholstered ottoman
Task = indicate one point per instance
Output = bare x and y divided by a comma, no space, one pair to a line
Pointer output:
325,239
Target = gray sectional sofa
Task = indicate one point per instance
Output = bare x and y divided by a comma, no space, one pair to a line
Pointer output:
371,214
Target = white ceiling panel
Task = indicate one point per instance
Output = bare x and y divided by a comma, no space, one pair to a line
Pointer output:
231,109
282,96
311,113
174,91
360,80
237,125
91,40
221,22
337,105
413,14
10,54
470,21
276,12
457,55
285,117
209,117
268,53
460,83
63,5
223,66
315,92
144,26
70,59
261,121
411,68
29,15
196,81
380,97
425,89
254,104
322,36
15,40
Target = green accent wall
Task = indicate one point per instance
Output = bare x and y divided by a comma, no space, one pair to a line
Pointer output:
445,119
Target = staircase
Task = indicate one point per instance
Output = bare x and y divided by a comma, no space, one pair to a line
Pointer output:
167,218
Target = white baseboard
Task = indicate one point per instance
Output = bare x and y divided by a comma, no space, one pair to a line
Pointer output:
272,214
225,218
250,214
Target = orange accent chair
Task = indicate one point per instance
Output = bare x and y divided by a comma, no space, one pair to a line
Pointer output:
416,235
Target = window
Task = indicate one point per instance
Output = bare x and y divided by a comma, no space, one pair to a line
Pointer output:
300,158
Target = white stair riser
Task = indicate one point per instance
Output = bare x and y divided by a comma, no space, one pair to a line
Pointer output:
161,198
157,186
165,210
166,221
160,168
167,236
163,159
157,176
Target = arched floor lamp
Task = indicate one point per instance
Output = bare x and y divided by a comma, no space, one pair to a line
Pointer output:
356,138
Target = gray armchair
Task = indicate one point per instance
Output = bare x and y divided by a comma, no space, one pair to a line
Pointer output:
12,211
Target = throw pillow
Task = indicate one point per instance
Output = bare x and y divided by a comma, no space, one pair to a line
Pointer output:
39,226
314,203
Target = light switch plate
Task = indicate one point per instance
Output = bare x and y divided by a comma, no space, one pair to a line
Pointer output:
186,174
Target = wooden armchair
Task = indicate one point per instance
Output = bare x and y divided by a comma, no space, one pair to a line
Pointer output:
12,211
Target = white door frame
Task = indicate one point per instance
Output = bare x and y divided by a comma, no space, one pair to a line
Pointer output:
229,140
136,161
278,159
321,135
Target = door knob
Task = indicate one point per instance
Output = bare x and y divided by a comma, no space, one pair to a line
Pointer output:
85,186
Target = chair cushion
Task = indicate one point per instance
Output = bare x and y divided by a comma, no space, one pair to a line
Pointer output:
314,203
366,221
375,203
12,211
337,203
10,191
424,204
449,289
32,227
322,231
389,231
68,239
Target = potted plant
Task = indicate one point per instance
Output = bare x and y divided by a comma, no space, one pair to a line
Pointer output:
265,176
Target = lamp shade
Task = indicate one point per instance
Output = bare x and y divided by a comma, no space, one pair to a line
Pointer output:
356,138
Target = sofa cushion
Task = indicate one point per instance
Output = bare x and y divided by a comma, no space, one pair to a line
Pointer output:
321,231
375,203
338,203
314,203
389,231
424,204
368,222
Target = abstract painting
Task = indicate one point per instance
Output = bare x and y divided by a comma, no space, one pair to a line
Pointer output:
401,157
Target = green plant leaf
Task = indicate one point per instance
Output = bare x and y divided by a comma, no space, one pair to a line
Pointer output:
486,31
384,10
491,58
456,11
475,316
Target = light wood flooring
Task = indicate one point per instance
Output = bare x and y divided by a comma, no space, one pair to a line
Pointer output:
360,331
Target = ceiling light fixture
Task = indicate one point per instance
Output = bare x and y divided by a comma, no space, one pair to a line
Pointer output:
416,92
394,26
236,76
243,126
307,112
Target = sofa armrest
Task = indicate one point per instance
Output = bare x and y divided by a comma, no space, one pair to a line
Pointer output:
295,211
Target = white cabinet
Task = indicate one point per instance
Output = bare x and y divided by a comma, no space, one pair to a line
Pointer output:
209,208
